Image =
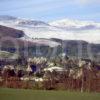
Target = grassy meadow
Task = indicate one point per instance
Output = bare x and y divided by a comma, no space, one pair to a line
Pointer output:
20,94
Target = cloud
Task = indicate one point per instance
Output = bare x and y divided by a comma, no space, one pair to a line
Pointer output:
85,2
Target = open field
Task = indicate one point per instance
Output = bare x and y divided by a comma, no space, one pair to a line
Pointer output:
16,94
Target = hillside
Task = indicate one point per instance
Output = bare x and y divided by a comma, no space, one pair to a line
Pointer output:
12,40
67,36
10,32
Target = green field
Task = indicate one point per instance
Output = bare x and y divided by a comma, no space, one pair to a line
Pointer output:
16,94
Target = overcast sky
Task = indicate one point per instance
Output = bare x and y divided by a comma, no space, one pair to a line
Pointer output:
49,10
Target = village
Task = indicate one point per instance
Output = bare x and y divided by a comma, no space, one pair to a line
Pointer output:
61,73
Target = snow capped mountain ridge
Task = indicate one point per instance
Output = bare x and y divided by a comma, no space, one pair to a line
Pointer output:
31,22
59,23
73,23
19,21
65,29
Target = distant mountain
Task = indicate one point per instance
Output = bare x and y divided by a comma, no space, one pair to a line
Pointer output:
65,29
21,22
63,36
67,23
12,40
20,35
31,23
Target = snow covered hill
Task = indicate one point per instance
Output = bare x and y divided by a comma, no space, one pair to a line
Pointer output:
65,29
68,23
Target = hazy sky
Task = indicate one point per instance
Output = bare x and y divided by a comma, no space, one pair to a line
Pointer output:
49,10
